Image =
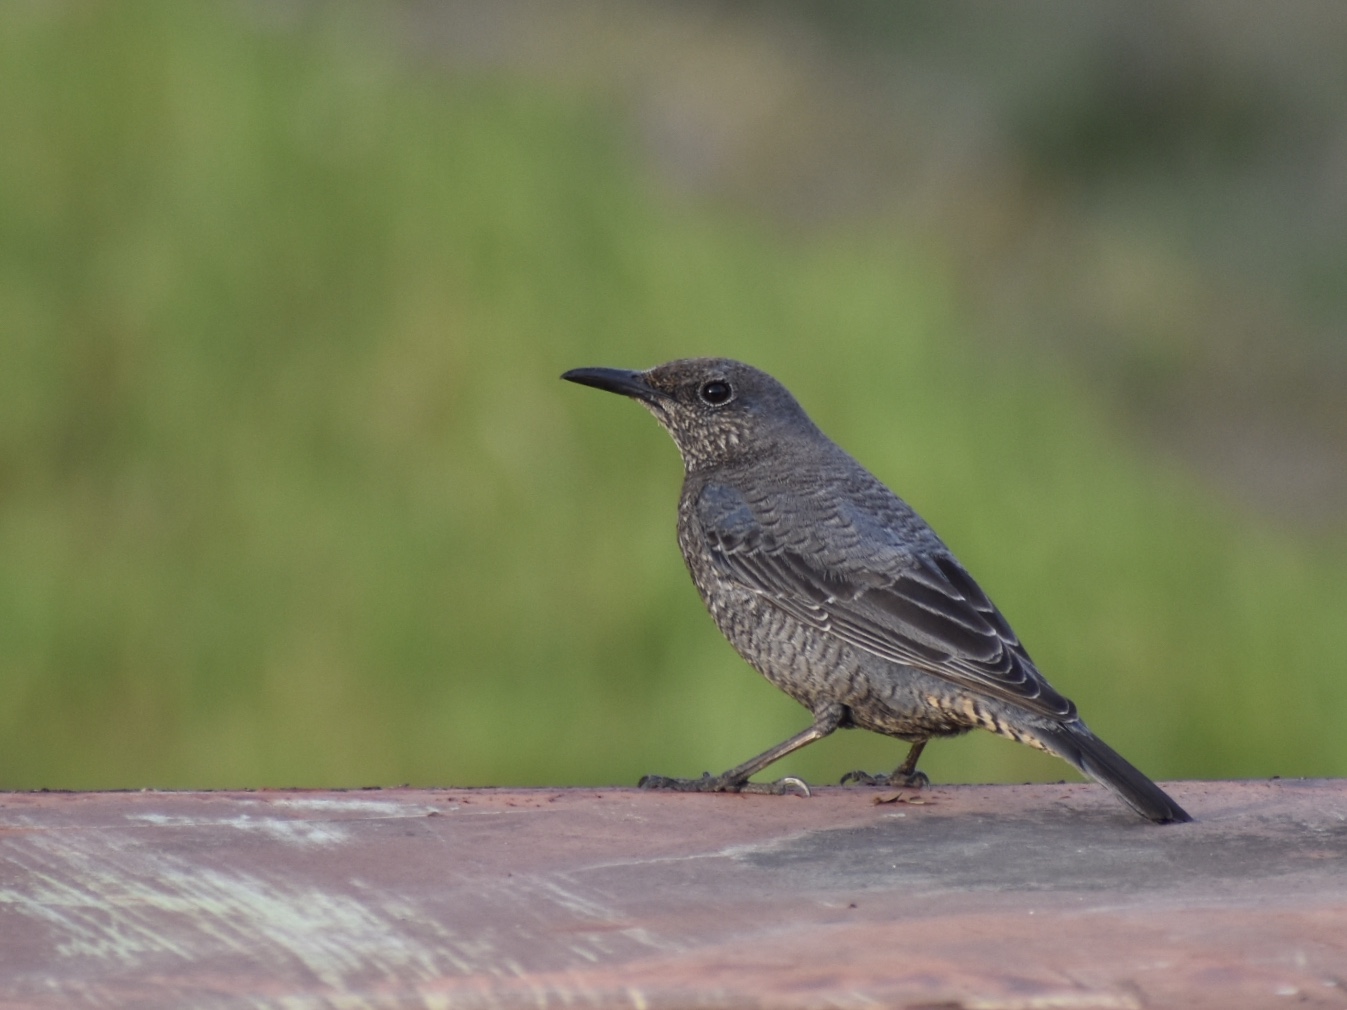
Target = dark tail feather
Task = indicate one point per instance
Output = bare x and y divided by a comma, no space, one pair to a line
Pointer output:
1074,742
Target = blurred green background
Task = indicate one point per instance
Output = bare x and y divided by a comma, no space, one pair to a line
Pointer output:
290,493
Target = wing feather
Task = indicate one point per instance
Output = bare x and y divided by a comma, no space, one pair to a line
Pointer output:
928,613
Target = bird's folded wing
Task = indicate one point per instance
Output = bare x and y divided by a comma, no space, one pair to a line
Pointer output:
930,615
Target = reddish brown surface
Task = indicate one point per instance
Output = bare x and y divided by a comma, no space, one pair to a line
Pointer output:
991,897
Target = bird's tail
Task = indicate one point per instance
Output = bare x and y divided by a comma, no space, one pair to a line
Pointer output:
1075,743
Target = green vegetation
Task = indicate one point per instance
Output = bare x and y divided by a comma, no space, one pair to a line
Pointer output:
290,493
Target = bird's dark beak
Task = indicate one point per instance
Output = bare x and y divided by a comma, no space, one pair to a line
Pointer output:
616,380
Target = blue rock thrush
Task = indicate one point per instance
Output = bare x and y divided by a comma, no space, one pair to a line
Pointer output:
837,592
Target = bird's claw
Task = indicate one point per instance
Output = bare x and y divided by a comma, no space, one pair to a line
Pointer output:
862,778
912,780
708,784
705,784
781,787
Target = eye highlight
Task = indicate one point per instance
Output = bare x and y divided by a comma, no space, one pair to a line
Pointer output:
716,392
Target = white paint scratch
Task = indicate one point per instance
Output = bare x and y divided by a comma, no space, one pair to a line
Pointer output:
294,832
354,805
112,900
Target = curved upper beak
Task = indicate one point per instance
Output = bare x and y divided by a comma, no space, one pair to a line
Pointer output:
616,380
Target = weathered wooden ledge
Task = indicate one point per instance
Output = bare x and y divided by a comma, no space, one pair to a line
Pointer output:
976,896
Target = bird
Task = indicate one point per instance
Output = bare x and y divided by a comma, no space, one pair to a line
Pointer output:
839,593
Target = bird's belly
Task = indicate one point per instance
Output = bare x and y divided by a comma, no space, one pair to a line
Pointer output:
811,668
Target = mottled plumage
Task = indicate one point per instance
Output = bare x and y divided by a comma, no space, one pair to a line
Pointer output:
835,590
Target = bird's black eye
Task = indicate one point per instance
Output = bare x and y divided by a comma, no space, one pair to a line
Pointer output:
716,392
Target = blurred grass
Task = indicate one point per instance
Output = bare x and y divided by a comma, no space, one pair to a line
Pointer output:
290,493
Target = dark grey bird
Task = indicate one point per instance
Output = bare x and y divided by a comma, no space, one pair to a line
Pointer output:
837,592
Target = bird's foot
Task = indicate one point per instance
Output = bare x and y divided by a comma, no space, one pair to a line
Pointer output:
862,778
781,787
705,784
909,780
720,784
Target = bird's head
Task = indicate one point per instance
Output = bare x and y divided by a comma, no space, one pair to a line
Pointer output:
717,410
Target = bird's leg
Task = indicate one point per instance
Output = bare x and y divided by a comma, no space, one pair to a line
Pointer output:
905,774
736,779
